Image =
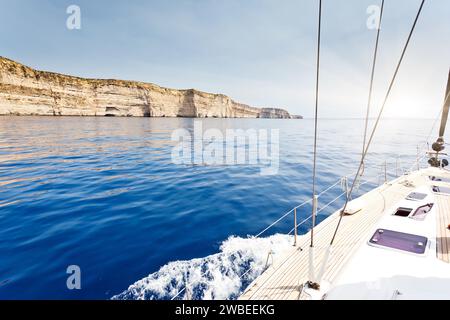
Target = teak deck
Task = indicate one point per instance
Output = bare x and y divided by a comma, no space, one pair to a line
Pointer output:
284,278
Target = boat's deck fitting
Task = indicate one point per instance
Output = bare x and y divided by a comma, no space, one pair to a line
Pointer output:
284,279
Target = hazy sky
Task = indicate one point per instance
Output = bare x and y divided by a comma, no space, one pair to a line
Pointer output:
259,52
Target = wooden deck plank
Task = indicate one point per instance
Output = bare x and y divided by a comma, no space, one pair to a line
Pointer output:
283,280
443,219
443,233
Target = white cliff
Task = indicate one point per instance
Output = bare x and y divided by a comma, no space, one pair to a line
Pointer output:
25,91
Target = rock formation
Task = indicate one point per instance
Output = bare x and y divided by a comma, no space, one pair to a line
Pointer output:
274,113
25,91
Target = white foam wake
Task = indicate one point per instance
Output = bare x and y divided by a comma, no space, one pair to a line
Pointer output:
223,275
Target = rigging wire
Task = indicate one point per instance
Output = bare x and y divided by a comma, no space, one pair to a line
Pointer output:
369,100
445,110
379,116
315,124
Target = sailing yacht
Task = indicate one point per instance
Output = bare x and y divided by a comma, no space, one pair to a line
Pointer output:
390,243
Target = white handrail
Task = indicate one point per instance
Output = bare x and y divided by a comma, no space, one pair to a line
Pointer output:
332,201
299,206
281,218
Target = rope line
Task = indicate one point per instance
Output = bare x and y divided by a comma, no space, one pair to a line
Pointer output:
445,109
282,217
179,292
369,100
301,223
296,207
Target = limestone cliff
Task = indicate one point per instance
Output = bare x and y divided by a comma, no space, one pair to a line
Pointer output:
25,91
274,113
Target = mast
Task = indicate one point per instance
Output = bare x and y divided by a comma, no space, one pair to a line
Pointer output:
439,145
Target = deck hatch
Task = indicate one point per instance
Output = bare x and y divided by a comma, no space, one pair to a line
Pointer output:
398,240
441,179
403,212
442,190
416,196
421,212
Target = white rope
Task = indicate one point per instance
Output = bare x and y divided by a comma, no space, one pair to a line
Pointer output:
329,188
331,202
299,206
179,292
282,217
301,223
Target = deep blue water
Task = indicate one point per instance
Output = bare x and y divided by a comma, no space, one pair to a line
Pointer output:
103,194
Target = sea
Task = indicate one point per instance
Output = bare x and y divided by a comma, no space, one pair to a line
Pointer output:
153,208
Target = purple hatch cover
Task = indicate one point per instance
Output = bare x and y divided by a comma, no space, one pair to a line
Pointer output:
422,211
399,240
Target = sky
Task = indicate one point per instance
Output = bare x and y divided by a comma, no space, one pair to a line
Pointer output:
258,52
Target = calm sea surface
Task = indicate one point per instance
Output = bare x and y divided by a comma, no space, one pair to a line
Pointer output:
104,194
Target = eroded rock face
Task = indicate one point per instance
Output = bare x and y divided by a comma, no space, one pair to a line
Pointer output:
274,113
25,91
